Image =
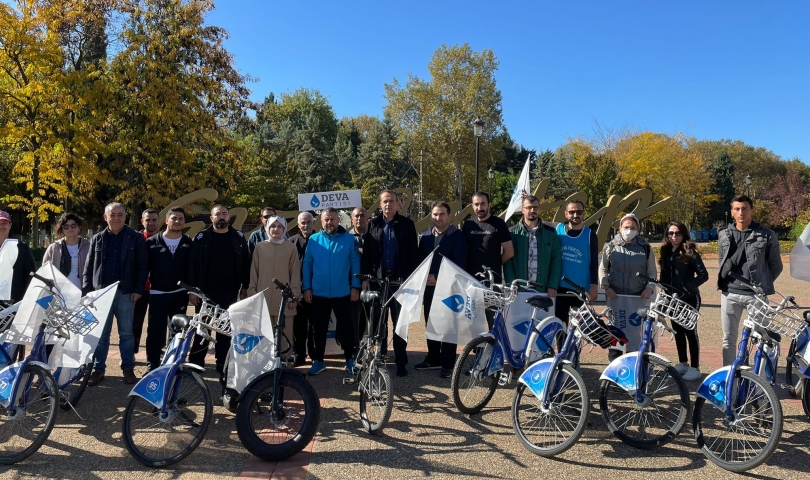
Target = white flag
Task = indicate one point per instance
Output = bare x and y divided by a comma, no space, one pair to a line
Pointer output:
457,312
410,295
522,184
253,346
800,257
8,255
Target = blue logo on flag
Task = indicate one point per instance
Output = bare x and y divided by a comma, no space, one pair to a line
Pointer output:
635,319
454,303
45,302
245,342
314,202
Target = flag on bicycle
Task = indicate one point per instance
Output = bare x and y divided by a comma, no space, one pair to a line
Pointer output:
410,295
35,304
457,312
78,350
522,185
253,345
800,257
8,255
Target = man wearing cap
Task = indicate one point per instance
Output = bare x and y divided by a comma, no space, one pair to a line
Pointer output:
23,265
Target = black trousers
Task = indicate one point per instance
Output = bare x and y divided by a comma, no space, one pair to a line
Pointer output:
161,309
303,333
199,347
439,353
684,336
565,302
139,317
322,308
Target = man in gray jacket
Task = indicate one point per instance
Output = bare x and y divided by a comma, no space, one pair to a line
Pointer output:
751,251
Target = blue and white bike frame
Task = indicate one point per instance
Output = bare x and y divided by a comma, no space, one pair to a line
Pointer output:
627,372
544,372
10,375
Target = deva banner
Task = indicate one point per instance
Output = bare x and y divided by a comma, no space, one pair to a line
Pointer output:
324,200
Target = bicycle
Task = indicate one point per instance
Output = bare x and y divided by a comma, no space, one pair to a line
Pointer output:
169,409
643,400
797,362
743,429
482,360
551,405
369,373
29,394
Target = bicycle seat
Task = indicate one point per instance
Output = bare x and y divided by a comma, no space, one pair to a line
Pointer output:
807,316
179,322
539,301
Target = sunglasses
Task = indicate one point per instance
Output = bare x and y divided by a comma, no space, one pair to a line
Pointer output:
576,212
675,234
70,226
268,217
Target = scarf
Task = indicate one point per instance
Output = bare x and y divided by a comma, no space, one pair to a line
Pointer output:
283,223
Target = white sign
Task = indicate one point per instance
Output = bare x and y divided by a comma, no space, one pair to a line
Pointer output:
324,200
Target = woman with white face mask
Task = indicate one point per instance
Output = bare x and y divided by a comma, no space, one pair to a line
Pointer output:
622,258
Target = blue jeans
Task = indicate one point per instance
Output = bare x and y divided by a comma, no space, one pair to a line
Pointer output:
124,311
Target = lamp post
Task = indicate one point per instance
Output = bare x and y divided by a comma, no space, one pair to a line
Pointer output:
491,175
694,199
748,185
478,129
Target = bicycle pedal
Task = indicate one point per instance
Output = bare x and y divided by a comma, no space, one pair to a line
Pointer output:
503,380
788,388
348,381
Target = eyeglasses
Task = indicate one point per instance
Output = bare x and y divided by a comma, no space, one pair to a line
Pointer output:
70,226
268,217
675,234
576,212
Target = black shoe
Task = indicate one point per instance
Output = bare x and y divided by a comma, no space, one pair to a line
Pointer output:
402,371
426,366
446,372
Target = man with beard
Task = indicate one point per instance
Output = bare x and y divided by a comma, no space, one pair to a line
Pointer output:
149,220
303,334
260,235
580,259
219,265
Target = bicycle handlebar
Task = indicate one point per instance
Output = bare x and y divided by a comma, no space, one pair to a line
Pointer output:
668,288
286,291
372,278
194,290
47,281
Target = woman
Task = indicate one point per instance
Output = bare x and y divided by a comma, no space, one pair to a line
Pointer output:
70,251
276,258
682,268
623,257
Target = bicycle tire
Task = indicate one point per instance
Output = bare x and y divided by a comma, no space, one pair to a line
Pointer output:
19,354
765,410
654,423
531,423
258,429
790,377
806,397
22,436
72,393
380,398
146,434
465,383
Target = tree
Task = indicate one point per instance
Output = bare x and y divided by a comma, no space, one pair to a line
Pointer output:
788,199
722,170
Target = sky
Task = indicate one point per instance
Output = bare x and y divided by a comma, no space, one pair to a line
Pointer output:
736,70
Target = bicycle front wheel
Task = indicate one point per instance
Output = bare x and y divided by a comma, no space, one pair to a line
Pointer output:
275,434
472,390
751,438
34,414
551,431
806,396
792,377
72,393
161,439
376,398
658,418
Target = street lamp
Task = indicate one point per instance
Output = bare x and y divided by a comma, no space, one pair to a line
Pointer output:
491,175
478,129
748,185
694,199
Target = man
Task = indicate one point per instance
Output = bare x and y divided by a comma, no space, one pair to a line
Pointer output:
489,243
117,253
330,262
220,267
392,251
260,235
303,333
149,220
452,245
359,229
168,264
24,264
537,251
580,258
750,251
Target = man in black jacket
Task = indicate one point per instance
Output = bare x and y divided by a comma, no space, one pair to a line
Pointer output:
168,252
117,253
303,333
220,267
24,264
392,252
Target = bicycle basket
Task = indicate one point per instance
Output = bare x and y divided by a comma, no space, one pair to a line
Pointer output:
7,317
784,322
495,299
591,328
213,317
80,321
673,308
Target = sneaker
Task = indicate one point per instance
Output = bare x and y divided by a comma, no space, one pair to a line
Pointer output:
317,367
402,371
445,372
682,368
350,365
692,374
426,366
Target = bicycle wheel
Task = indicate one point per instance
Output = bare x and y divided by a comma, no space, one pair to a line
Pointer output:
806,396
72,393
792,377
471,389
278,435
376,398
24,432
753,436
553,430
158,440
659,418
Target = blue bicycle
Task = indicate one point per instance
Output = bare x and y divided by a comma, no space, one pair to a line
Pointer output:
480,367
797,364
743,429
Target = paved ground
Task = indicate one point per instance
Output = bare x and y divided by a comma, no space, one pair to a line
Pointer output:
426,436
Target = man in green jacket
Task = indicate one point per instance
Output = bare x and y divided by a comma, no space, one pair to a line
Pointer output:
538,255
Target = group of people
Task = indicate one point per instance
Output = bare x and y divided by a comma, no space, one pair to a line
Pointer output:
320,268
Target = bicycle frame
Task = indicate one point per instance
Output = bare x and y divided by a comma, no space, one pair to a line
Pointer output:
544,372
10,376
545,329
627,371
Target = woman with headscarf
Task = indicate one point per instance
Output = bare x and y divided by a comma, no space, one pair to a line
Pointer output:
276,258
69,253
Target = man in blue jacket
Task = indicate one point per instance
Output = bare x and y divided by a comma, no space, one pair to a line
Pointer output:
451,244
117,253
330,263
